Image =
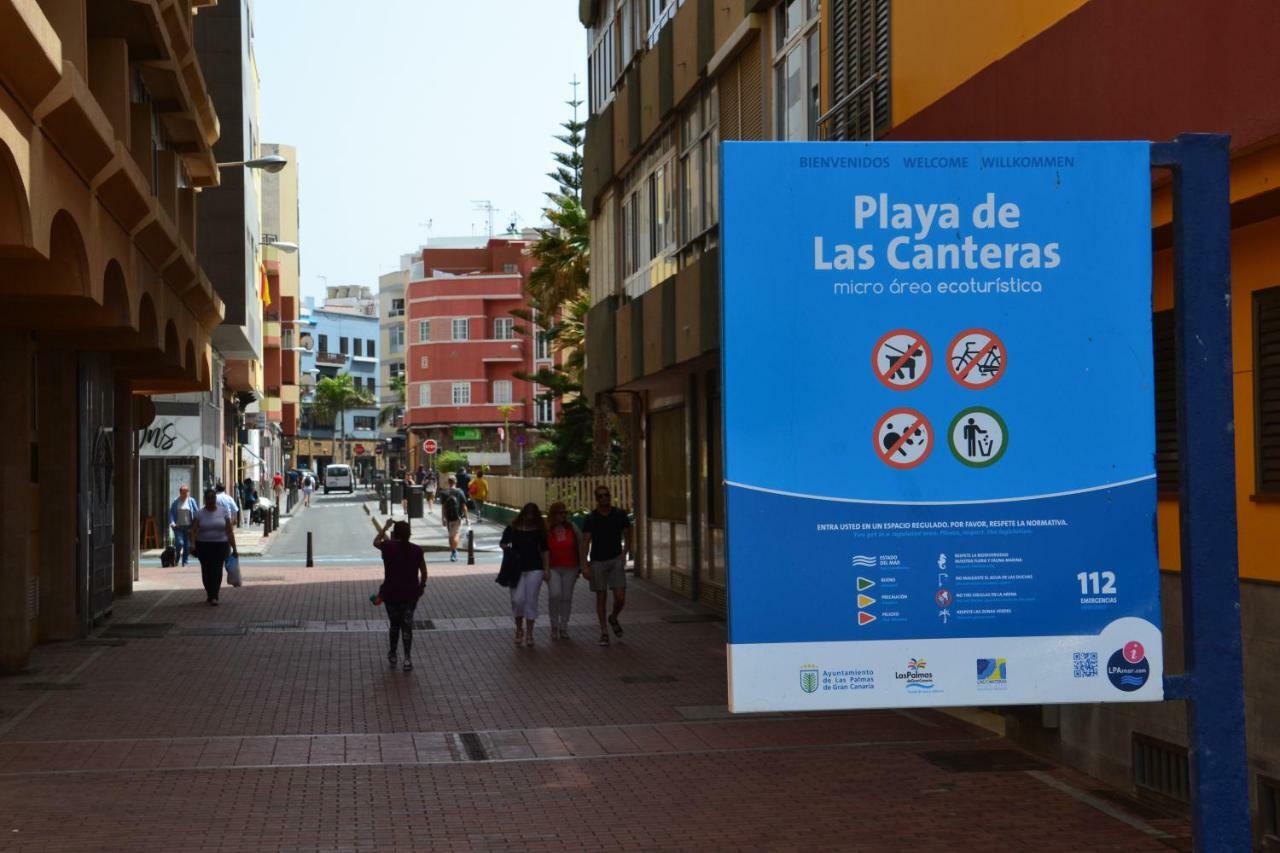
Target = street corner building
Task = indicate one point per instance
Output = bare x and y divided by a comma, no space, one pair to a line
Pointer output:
106,135
670,79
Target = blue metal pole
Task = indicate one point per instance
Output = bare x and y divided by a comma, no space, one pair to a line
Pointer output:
1206,455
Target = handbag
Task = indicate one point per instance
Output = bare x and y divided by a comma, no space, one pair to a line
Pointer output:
233,571
509,571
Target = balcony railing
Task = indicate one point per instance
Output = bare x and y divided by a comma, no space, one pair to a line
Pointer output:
331,358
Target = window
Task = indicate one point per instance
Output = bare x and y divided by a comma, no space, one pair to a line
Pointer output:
365,422
668,468
542,347
859,51
544,412
424,394
424,363
368,348
462,393
1266,384
502,391
504,329
601,62
359,346
287,339
424,331
397,308
660,11
700,139
324,343
395,369
510,268
395,340
798,86
343,346
648,218
460,330
1166,392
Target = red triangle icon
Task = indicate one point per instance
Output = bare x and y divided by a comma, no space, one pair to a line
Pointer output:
865,618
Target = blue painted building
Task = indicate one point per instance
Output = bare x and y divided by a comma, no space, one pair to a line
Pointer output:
338,339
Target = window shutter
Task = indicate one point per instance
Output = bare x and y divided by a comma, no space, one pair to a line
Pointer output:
859,39
752,93
1166,389
1266,378
728,97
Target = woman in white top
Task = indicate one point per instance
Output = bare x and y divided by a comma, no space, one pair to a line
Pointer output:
214,538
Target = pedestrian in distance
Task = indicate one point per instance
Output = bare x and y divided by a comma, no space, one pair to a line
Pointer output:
565,548
228,503
248,497
181,512
420,476
607,540
404,579
525,540
429,491
308,487
464,480
277,486
479,491
215,538
453,511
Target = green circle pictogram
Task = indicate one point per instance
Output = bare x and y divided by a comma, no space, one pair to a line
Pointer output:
977,459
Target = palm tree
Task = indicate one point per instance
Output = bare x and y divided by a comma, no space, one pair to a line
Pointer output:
334,396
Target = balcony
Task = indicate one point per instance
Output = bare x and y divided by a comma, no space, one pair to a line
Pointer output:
331,359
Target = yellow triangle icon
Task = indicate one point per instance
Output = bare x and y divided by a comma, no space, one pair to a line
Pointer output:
865,600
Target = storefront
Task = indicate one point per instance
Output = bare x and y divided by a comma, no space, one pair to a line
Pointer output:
176,449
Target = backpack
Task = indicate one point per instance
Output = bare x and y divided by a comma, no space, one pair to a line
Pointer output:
451,510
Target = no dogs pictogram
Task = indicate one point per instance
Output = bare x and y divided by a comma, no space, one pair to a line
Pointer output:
903,438
901,359
976,358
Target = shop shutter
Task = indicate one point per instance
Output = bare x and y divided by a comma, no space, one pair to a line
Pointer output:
1166,389
859,40
728,97
752,93
1266,372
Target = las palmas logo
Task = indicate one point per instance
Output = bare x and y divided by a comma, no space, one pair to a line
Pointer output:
809,678
917,675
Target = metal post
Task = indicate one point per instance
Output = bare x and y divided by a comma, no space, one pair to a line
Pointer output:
310,560
1214,683
471,547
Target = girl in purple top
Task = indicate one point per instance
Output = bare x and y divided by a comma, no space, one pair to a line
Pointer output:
404,577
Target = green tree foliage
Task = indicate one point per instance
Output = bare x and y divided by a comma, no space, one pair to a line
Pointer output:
449,461
390,412
335,396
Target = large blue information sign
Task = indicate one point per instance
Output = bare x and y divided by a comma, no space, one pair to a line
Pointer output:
939,424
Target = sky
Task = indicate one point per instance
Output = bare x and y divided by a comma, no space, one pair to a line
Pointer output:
407,112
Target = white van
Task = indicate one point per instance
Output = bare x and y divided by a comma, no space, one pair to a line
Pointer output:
338,477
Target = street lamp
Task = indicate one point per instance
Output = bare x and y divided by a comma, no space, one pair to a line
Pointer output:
272,163
282,245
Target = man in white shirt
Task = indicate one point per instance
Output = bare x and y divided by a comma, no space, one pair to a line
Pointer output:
227,504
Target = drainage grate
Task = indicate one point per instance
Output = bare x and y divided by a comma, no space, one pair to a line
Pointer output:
983,760
688,618
49,685
648,679
1161,767
137,631
94,642
424,624
473,746
275,625
213,631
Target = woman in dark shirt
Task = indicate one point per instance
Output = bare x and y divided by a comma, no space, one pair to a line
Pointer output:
404,578
526,541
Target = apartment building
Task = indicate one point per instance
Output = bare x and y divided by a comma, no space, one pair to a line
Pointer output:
465,349
339,341
282,267
106,134
391,331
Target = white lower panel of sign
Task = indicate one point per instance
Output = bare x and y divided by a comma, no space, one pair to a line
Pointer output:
1125,663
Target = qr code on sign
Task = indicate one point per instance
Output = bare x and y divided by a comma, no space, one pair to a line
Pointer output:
1084,664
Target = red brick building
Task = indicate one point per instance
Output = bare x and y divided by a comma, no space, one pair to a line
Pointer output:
464,348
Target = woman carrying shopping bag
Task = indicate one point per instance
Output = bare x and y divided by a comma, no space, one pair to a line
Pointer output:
524,543
214,535
566,562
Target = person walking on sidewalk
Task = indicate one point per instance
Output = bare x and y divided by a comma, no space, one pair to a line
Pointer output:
429,491
603,534
215,538
404,579
308,486
526,540
181,512
453,511
228,503
479,490
566,562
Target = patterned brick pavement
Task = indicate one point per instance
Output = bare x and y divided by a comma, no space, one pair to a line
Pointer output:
271,723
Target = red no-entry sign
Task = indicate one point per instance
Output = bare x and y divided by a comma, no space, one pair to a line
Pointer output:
429,446
359,450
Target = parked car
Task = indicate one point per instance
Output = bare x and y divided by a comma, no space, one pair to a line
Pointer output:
339,477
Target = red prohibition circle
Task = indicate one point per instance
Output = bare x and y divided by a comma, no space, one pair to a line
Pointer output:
879,448
993,341
921,343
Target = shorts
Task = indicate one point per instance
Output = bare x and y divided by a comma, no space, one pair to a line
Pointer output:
609,574
453,528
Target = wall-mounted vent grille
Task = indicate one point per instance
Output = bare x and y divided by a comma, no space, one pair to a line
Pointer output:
1161,767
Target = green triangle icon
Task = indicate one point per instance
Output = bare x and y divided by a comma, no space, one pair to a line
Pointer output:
865,584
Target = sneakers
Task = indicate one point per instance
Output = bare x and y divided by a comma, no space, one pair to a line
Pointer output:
391,659
453,556
408,665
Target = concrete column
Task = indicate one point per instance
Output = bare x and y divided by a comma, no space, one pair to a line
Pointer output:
127,521
17,518
57,398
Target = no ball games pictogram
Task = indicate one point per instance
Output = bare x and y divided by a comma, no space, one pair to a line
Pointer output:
901,359
976,358
903,438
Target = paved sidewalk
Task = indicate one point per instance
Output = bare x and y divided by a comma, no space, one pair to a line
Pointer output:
271,723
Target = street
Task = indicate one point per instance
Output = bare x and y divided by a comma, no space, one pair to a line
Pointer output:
272,723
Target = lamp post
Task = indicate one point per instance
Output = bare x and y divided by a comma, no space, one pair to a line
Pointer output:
271,163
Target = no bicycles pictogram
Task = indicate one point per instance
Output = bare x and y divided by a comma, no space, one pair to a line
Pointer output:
901,359
976,358
903,438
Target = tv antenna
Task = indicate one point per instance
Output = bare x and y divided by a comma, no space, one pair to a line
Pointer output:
487,207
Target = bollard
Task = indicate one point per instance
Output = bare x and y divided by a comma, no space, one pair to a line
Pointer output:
310,560
266,525
275,518
382,504
471,547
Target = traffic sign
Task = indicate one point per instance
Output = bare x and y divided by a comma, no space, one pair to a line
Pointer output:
379,448
522,439
901,359
429,446
359,449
